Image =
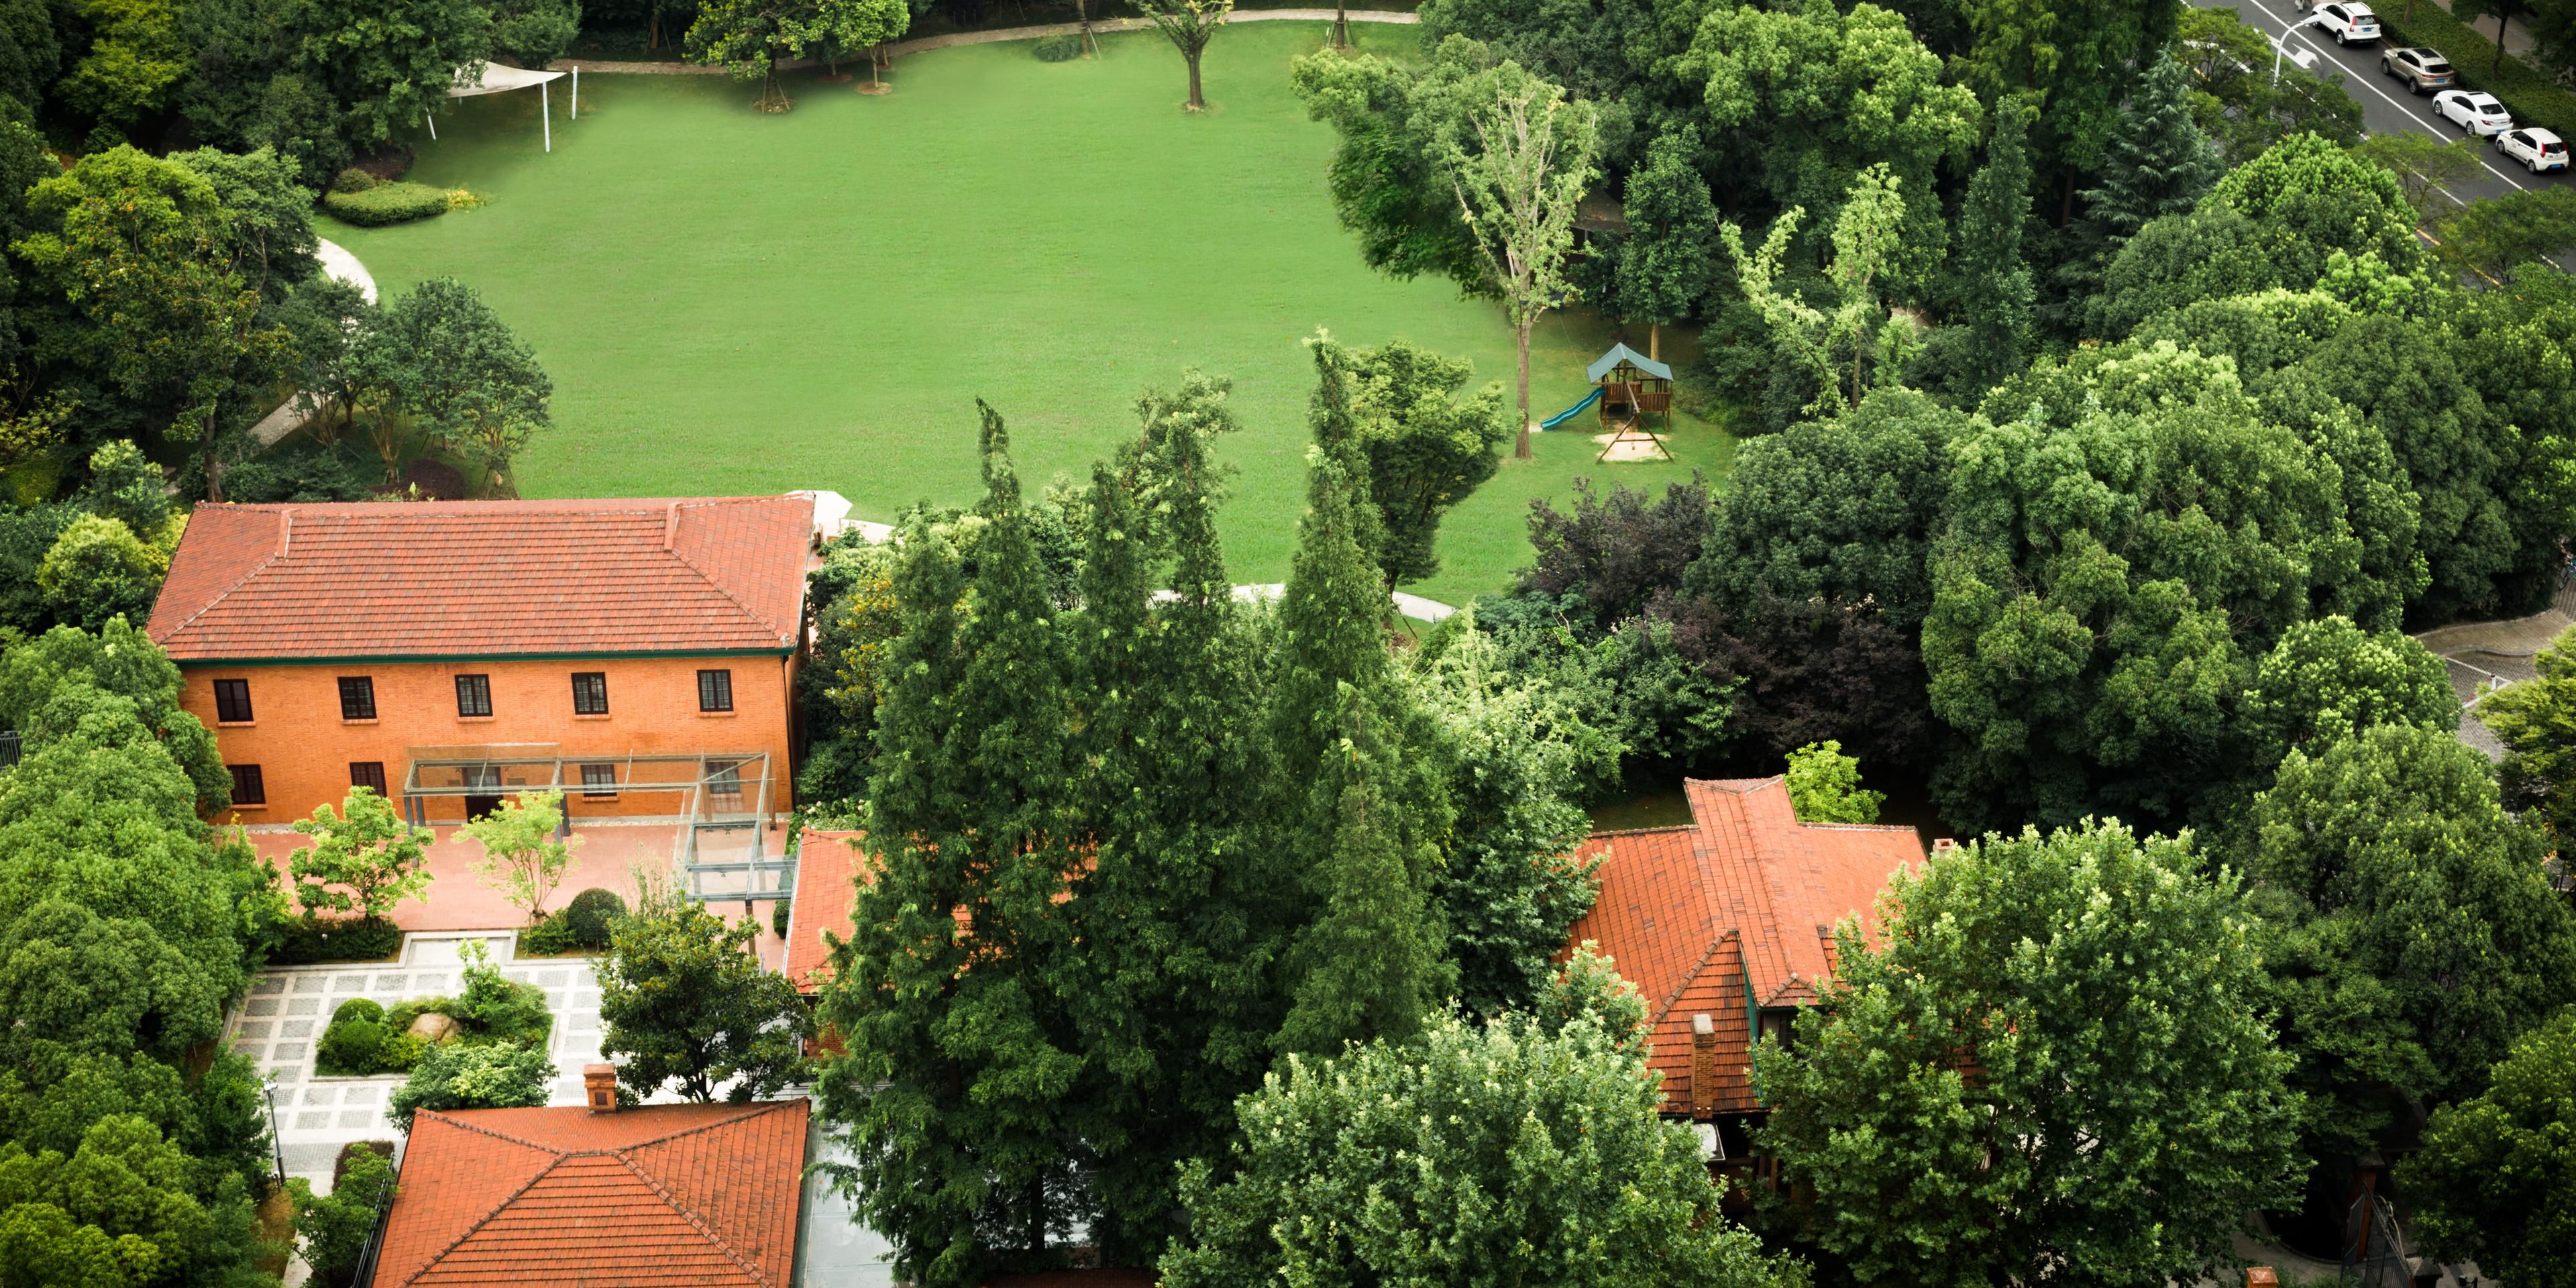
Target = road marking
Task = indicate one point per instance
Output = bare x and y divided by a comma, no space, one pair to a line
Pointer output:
2288,29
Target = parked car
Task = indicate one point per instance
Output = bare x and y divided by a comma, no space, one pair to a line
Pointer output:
2474,111
2534,147
2423,70
2349,24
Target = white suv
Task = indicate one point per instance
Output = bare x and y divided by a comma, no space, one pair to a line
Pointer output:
2474,111
2349,24
2537,148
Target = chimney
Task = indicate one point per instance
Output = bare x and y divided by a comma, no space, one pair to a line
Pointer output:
1943,846
600,1080
1703,1075
2261,1277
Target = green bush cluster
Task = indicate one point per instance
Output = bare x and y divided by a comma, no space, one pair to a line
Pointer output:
335,939
2526,90
581,927
353,180
1057,49
387,203
778,916
364,1039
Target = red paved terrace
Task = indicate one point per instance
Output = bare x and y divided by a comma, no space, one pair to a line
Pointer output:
444,578
663,1195
1731,918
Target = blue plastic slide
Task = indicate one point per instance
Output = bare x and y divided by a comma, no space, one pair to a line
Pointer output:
1570,412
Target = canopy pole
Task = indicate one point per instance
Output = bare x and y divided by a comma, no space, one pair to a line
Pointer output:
431,122
546,108
576,91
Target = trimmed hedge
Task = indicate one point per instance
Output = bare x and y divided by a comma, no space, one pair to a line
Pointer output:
1058,49
339,939
387,203
353,181
587,917
2527,92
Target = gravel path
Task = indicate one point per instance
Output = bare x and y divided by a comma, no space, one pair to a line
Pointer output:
955,38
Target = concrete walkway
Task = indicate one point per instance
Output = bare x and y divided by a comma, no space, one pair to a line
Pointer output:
2486,656
955,38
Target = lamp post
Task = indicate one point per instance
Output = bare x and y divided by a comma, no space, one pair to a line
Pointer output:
2281,46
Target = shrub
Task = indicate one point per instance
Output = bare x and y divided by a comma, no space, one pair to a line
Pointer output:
387,203
586,918
464,199
358,1008
352,180
349,1047
778,916
551,937
335,939
457,1076
399,1052
1057,49
494,1004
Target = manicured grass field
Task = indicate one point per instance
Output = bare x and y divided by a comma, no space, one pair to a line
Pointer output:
734,303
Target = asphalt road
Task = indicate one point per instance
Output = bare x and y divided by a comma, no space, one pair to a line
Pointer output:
2386,106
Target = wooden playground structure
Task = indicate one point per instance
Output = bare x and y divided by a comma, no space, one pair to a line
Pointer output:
1632,387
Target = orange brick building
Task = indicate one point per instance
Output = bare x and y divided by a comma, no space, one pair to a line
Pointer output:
638,654
1726,928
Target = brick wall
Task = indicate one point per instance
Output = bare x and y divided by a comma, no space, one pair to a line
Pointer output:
304,748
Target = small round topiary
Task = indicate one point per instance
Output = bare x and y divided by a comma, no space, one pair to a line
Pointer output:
350,1046
588,915
1058,49
352,180
357,1008
778,916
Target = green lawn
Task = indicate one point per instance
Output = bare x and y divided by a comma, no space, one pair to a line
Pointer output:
733,303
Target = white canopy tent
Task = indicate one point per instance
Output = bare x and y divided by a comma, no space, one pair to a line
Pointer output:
476,79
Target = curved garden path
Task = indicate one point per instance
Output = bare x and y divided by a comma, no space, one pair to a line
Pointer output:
927,43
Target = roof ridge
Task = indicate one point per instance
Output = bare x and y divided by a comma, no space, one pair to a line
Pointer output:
496,1209
687,1213
1643,831
1674,998
1858,827
673,550
275,551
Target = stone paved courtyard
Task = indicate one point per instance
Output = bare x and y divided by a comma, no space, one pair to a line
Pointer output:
278,1026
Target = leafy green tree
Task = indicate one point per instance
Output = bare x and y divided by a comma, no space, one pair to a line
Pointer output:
953,1097
1479,1154
2056,1058
1189,25
2536,721
686,1001
2156,162
1859,327
1361,815
30,56
2081,59
749,37
533,33
2493,236
1815,100
523,856
1824,786
2241,102
98,571
455,1075
1667,263
1842,510
367,850
1517,753
2516,345
2413,932
2327,680
1520,156
1427,447
440,359
2090,655
79,982
117,1211
1994,291
2497,1175
2504,12
1385,176
844,25
331,1230
134,58
119,660
2425,166
321,82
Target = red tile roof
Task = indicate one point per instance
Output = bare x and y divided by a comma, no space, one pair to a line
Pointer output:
1730,914
487,578
827,867
682,1196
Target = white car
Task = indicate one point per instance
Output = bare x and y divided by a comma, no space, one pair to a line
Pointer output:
2474,111
2534,147
2349,24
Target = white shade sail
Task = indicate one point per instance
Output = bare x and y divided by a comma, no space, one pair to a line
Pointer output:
495,79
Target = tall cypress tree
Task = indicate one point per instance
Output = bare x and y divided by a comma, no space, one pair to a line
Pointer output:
955,1094
2159,163
1993,281
1357,817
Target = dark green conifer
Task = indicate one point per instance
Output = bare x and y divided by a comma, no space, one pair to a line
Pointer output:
2158,163
1993,281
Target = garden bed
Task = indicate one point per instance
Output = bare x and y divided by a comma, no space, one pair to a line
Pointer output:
368,1039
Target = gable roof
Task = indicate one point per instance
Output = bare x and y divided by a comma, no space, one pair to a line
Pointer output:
487,578
677,1195
1731,914
827,866
1621,353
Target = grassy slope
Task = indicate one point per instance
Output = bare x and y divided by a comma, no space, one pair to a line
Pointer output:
731,303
